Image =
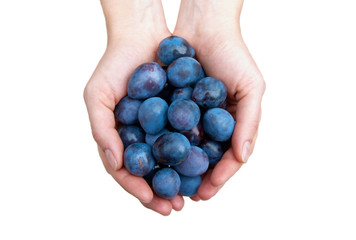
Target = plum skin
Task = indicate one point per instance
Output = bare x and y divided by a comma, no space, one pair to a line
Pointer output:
150,139
171,148
183,72
138,159
126,111
146,81
183,114
130,134
166,183
172,48
209,93
152,115
189,185
218,124
214,150
196,163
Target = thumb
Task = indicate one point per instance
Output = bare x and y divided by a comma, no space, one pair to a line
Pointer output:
100,108
248,116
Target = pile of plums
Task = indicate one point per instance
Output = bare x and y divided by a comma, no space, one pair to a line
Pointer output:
172,122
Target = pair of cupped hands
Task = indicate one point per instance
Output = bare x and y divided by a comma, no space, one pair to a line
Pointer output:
223,54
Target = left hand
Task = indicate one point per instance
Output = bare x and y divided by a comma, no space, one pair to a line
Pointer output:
214,32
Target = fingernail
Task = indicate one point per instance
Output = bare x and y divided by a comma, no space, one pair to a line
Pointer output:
111,159
246,151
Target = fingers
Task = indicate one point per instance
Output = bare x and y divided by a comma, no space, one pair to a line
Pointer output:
160,205
195,198
134,185
225,169
247,121
214,180
206,189
100,105
164,206
177,203
138,187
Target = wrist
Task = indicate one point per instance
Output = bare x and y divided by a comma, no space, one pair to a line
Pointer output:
134,18
199,18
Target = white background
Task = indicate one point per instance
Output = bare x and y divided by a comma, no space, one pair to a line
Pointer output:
300,183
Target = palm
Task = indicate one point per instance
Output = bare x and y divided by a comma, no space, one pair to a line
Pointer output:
117,64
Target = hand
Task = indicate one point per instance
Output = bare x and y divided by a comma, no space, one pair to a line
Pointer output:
134,32
212,28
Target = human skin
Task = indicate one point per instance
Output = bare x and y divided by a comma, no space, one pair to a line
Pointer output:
135,29
212,27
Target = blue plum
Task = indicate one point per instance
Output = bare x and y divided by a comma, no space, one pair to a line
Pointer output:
182,93
138,159
201,76
218,124
150,139
172,48
196,163
189,185
183,72
126,111
223,104
146,81
209,92
152,115
195,135
214,150
165,68
166,183
166,92
183,114
130,134
149,176
171,148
